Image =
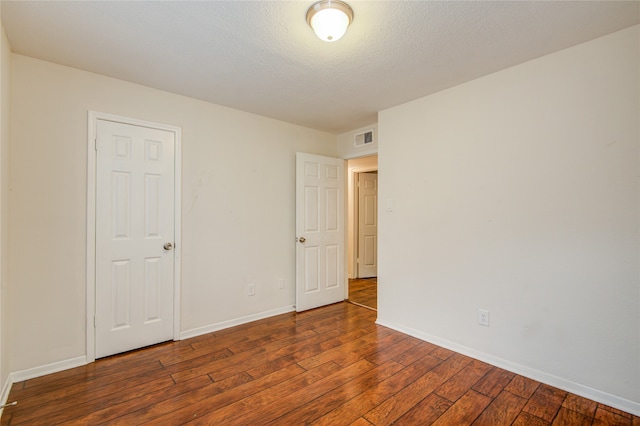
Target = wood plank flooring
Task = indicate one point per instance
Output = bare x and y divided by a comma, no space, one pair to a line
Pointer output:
364,291
328,366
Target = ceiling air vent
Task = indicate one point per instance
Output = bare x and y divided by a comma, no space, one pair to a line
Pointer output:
364,138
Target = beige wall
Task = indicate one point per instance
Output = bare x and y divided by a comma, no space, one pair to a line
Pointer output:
518,193
5,134
237,204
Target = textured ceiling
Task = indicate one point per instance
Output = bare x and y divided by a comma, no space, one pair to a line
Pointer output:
261,57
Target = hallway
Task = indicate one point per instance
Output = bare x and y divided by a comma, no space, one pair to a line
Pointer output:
364,292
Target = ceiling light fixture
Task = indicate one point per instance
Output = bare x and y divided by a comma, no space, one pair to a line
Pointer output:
329,19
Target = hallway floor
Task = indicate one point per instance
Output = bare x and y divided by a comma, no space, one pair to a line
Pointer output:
364,292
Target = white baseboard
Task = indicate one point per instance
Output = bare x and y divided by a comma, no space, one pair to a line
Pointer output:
559,382
231,323
31,373
540,376
4,396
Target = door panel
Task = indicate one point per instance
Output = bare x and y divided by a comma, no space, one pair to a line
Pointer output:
320,231
121,282
135,205
367,225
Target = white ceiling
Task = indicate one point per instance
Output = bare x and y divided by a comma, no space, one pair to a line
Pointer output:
261,57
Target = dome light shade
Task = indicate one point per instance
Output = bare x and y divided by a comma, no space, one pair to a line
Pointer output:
329,19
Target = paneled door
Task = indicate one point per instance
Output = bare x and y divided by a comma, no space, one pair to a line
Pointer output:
320,233
134,237
367,225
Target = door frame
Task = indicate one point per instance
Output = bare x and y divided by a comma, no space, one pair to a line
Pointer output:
92,120
354,175
356,220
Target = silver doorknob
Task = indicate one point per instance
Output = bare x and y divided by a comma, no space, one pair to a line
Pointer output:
302,239
168,246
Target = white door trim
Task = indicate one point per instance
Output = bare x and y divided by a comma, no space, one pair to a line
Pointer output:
93,118
360,251
354,173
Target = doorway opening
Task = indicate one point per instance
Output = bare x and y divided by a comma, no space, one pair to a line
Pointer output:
362,225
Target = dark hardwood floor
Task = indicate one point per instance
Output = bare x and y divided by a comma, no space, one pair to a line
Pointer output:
364,291
328,366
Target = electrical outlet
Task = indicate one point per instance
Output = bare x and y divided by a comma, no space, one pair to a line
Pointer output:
483,317
251,289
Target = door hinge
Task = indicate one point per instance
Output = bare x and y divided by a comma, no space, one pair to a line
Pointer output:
95,322
95,144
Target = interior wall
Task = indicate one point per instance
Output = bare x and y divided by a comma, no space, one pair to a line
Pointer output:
347,147
518,193
5,134
238,193
355,165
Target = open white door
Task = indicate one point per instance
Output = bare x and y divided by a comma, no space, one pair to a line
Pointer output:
135,229
320,232
367,225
